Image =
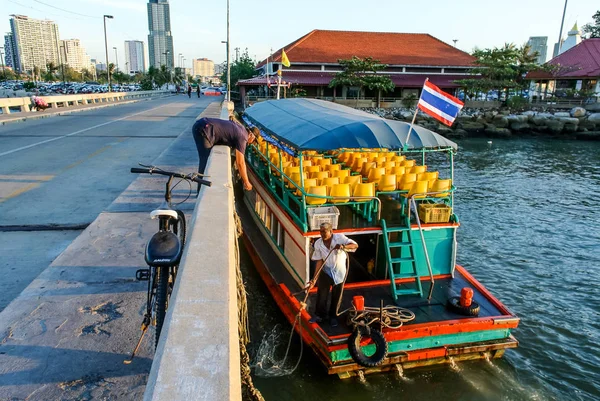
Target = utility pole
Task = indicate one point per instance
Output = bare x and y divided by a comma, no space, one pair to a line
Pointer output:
237,54
561,29
106,49
2,61
228,64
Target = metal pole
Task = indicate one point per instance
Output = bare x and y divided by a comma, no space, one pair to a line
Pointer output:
228,66
106,49
414,118
561,29
2,61
62,66
116,59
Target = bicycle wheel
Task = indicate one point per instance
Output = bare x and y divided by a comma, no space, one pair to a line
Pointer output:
162,299
180,228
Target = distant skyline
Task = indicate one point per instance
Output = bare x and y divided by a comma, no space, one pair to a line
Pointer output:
199,27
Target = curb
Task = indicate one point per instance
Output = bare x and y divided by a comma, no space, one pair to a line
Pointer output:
60,113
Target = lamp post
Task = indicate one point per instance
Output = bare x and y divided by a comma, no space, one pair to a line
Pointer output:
106,49
167,63
228,65
62,66
2,61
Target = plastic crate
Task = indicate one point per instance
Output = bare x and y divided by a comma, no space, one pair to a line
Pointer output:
320,215
434,213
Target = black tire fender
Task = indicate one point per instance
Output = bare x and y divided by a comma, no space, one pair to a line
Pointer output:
356,351
454,305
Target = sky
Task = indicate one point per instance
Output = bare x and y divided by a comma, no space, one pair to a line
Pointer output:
199,26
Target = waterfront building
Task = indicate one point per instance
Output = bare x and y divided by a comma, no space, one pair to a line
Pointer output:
576,71
203,67
539,44
36,43
74,55
135,56
160,41
9,50
410,59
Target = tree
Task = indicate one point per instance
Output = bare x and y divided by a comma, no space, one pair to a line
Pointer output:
243,68
363,73
178,76
592,30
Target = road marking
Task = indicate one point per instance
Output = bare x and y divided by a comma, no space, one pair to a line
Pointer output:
20,191
75,133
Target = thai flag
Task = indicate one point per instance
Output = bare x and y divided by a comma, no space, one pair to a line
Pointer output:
439,104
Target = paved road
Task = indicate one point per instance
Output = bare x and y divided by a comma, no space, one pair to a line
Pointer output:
61,172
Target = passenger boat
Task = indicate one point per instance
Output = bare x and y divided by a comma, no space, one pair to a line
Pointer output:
406,301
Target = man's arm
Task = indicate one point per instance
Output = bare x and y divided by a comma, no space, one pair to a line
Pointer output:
241,165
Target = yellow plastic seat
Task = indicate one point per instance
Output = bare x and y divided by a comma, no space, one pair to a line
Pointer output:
295,177
333,167
324,162
288,171
430,176
309,182
381,159
364,171
407,163
350,158
312,169
389,165
319,175
418,187
353,180
343,157
330,181
357,164
441,185
340,190
418,169
307,163
317,190
398,171
364,189
284,165
341,174
387,183
375,174
405,183
398,158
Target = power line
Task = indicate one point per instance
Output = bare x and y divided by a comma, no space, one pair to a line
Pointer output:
67,11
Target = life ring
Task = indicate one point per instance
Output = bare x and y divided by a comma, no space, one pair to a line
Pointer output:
381,346
454,306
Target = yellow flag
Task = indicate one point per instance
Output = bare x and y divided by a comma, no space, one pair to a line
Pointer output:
284,59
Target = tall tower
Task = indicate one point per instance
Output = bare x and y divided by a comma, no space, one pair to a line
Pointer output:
160,40
573,39
134,56
36,43
539,44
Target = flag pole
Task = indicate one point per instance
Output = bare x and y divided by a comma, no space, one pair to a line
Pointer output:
278,82
414,118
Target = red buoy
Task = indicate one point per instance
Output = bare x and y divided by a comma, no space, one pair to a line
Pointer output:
466,297
359,302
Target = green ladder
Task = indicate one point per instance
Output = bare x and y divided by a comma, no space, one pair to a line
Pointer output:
403,241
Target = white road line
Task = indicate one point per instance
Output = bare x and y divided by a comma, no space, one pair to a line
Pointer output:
75,133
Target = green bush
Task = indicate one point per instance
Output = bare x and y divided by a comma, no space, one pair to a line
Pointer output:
409,101
28,86
517,102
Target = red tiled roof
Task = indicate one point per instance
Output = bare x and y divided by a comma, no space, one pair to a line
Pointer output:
320,46
581,61
319,78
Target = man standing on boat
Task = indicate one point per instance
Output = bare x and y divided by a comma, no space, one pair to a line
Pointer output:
209,132
330,250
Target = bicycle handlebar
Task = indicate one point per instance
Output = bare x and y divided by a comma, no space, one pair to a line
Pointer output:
168,173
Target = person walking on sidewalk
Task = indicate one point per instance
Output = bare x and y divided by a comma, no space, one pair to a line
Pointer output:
190,91
209,132
198,90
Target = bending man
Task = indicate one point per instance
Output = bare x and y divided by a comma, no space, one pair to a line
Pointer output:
334,271
209,132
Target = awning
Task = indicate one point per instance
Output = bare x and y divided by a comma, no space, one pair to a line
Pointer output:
312,124
322,78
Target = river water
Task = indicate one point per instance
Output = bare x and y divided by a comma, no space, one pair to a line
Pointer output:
530,233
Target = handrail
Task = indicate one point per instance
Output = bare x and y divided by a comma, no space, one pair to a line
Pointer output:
411,198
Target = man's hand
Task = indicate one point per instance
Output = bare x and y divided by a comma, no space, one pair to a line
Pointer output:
247,186
338,246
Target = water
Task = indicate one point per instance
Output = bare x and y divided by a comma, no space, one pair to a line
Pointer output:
531,234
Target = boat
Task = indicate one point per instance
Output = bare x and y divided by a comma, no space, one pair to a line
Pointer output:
389,187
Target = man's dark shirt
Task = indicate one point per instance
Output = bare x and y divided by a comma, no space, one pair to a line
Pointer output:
223,132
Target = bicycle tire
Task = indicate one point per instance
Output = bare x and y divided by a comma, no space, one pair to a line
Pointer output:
181,228
162,294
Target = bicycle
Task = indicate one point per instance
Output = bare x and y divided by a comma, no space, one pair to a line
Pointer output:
163,252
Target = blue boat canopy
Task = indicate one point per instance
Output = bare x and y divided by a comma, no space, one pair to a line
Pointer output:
312,124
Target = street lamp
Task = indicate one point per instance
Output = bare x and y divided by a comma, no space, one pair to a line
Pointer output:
228,65
106,48
2,61
116,59
167,63
62,66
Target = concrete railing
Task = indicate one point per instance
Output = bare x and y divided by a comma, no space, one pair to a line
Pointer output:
24,103
198,356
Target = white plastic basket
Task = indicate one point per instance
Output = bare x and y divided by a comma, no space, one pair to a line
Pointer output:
320,215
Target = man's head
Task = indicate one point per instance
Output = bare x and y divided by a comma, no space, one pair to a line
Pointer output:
252,133
326,231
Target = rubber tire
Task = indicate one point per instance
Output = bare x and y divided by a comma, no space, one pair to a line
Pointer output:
359,356
454,305
162,294
180,228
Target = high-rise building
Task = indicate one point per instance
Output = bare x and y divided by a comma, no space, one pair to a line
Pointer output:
203,67
9,50
539,44
134,56
74,55
160,41
36,43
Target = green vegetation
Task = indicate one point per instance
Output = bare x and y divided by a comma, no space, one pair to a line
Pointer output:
592,30
363,74
243,68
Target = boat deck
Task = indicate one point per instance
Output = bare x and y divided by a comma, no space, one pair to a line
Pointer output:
425,311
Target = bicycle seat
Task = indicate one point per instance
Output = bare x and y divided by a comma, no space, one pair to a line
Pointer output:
163,249
163,212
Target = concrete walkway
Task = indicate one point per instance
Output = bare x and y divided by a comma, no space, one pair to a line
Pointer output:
67,334
33,115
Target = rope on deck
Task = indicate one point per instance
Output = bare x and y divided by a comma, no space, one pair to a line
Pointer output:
249,391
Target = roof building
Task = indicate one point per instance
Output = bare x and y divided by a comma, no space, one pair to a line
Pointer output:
160,41
410,59
36,43
539,44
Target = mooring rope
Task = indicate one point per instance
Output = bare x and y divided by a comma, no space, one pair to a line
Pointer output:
250,391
